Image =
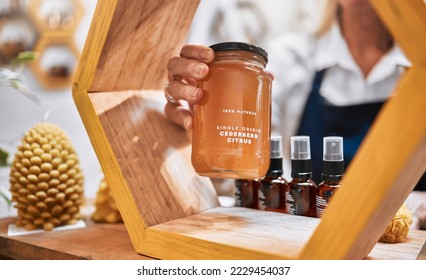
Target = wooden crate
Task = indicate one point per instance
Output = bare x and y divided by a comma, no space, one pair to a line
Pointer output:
169,211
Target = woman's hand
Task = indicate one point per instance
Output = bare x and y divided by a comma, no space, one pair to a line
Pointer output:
183,73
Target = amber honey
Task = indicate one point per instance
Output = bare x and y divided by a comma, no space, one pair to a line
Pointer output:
232,122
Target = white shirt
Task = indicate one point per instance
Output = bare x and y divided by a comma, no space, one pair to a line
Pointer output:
294,59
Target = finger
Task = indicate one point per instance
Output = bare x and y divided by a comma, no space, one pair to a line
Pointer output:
201,53
179,90
184,67
169,97
179,115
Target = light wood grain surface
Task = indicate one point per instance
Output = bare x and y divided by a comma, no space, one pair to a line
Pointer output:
264,234
85,73
422,254
143,35
409,250
112,242
153,155
96,241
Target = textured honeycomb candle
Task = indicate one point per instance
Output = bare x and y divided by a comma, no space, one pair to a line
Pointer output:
46,181
398,228
106,209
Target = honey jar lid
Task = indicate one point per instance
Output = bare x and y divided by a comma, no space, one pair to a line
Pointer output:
239,46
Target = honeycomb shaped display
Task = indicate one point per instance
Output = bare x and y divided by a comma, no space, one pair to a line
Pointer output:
9,7
57,62
41,26
17,34
57,17
46,180
119,93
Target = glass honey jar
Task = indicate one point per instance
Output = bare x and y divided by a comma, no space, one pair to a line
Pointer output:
232,123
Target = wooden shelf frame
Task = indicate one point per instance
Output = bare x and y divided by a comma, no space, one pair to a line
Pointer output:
169,211
46,80
34,7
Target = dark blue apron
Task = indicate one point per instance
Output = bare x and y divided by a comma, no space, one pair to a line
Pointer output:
320,119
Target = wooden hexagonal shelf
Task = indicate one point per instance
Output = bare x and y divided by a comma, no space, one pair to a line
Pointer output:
56,17
56,65
169,211
17,34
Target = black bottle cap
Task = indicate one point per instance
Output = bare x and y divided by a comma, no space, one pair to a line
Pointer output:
333,170
239,46
301,169
275,167
301,163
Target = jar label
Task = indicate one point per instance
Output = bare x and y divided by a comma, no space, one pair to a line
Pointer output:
237,134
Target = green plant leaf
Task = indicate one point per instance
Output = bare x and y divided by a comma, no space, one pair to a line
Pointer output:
8,201
3,157
25,57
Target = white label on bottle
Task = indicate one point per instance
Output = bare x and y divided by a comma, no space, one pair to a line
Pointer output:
261,203
238,199
321,205
238,134
289,204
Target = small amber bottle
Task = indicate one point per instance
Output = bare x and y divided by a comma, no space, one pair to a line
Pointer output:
333,169
232,121
272,186
246,192
300,192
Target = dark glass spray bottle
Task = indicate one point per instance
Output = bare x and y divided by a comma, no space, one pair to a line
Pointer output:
272,186
246,192
333,169
301,191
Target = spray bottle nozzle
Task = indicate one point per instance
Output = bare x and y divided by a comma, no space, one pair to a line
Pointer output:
333,148
300,148
276,146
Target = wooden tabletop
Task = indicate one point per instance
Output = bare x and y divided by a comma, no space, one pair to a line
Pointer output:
95,241
422,254
112,242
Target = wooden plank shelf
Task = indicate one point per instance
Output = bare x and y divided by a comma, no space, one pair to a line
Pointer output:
94,242
99,241
236,227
